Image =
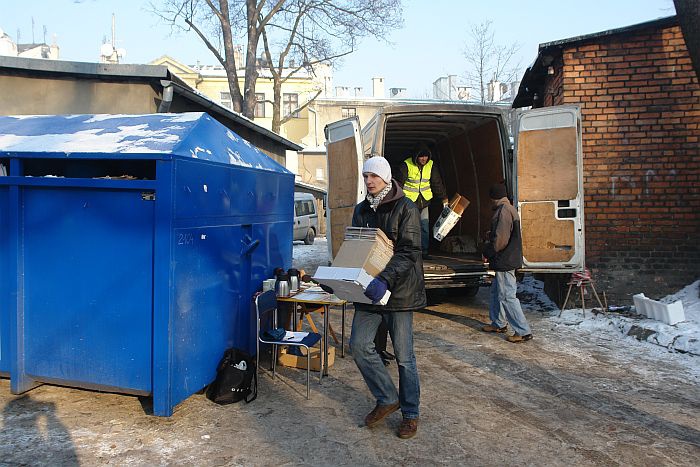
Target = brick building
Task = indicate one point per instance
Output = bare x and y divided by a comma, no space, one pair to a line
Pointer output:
640,107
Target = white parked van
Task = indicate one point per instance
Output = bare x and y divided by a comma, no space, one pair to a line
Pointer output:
471,145
305,217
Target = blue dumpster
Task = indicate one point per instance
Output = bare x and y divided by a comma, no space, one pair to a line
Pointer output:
132,249
4,277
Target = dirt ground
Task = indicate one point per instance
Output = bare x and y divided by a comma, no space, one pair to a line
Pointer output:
564,398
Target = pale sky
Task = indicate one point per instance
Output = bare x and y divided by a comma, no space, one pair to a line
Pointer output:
431,43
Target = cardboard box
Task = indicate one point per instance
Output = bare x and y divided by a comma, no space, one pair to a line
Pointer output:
458,204
296,361
365,252
450,216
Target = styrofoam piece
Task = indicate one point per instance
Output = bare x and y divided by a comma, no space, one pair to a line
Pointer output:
447,220
667,313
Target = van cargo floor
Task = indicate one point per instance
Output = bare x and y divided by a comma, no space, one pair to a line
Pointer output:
444,262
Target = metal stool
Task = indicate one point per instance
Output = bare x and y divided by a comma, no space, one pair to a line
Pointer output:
581,280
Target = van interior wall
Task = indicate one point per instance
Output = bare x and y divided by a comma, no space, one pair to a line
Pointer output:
469,154
470,163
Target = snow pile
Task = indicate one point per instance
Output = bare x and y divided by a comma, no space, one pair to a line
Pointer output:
681,337
310,257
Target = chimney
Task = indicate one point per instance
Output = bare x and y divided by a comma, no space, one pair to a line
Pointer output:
494,90
358,91
397,93
341,91
378,88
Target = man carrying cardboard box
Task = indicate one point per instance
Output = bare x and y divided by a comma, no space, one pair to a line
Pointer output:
388,209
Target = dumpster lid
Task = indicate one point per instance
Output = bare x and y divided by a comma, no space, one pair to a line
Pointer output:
192,135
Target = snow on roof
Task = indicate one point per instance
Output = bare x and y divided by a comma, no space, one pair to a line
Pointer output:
193,135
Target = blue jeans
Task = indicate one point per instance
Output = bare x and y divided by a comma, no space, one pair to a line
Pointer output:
375,374
505,303
425,229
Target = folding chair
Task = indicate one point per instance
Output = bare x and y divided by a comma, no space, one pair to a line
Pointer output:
266,311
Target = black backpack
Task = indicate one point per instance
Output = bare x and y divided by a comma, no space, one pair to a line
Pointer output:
235,379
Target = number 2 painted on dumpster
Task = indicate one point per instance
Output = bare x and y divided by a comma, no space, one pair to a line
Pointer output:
185,239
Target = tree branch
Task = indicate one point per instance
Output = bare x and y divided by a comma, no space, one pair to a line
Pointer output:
299,109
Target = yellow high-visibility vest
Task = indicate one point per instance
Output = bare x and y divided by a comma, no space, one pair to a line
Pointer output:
418,182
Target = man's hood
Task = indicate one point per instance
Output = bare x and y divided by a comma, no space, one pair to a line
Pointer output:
421,149
395,193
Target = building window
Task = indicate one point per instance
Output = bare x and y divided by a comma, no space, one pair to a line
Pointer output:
349,112
290,102
259,105
319,174
226,100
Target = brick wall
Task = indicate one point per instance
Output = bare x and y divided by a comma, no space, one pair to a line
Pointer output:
640,103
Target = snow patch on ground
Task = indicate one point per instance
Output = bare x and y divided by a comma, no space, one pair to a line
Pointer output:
682,337
310,257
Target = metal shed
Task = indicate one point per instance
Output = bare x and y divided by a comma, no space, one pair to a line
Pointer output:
130,248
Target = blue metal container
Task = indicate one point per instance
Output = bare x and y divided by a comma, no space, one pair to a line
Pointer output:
5,297
138,282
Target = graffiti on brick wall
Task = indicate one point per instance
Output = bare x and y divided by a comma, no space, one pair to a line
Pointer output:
633,182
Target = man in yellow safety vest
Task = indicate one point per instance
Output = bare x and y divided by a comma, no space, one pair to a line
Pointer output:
421,181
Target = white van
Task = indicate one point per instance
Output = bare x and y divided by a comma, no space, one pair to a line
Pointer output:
471,145
305,217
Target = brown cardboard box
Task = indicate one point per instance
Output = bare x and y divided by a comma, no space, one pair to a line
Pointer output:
459,203
295,361
364,253
370,255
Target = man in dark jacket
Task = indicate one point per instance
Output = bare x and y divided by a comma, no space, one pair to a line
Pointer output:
387,208
504,251
420,179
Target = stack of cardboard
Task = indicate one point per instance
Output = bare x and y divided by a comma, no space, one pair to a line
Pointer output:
450,216
365,252
299,361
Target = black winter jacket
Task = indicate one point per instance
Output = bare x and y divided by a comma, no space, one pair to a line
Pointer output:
399,219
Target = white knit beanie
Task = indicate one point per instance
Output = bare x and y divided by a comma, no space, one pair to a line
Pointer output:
379,166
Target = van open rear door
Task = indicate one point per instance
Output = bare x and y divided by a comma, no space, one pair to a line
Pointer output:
550,188
346,186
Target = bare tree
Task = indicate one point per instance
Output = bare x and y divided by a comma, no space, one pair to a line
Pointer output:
488,60
306,33
217,23
297,35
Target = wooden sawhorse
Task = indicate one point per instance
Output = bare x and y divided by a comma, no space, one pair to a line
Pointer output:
581,280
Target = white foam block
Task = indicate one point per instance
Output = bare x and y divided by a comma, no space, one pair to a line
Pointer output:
666,313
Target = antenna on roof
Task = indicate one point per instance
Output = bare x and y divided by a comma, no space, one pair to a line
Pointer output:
44,34
33,30
109,52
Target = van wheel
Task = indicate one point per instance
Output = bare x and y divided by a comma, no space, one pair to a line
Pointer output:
310,236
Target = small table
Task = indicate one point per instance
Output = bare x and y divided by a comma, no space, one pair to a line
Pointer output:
325,300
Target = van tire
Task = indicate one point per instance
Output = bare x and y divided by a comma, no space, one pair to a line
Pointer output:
310,236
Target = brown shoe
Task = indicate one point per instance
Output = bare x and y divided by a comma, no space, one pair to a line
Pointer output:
408,428
379,412
516,339
489,328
